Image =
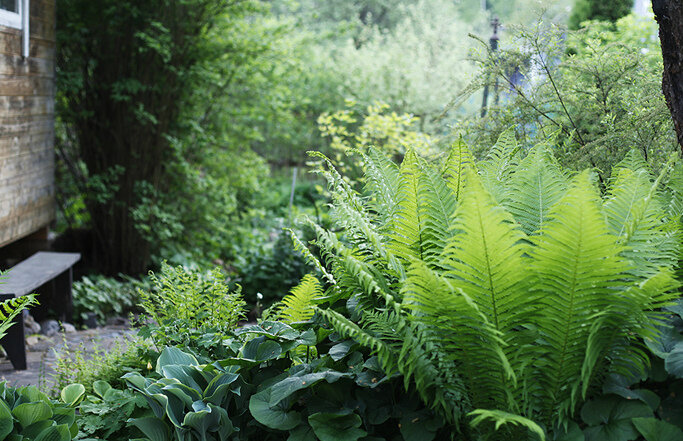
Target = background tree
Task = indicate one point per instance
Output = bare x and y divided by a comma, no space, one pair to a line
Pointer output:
128,73
601,10
669,15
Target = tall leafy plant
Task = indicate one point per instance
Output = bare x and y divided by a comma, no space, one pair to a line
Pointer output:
504,290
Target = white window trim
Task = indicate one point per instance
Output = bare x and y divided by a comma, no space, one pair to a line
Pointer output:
18,20
12,19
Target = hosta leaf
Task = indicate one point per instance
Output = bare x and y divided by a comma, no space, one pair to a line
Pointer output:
657,430
335,427
55,433
72,394
6,420
609,418
674,361
29,413
174,356
276,417
153,428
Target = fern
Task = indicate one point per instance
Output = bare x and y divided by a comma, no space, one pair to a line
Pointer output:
298,305
537,184
504,286
11,308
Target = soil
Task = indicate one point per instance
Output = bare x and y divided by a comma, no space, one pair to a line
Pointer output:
41,353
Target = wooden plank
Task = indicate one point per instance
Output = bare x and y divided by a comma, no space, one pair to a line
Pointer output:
34,217
40,178
26,86
10,44
15,168
43,29
36,271
17,65
30,127
43,9
26,104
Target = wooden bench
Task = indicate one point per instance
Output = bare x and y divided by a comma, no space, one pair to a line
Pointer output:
44,271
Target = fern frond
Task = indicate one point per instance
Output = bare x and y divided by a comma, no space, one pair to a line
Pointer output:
635,213
537,184
298,305
436,204
382,182
500,163
405,229
310,258
459,159
10,308
501,418
578,271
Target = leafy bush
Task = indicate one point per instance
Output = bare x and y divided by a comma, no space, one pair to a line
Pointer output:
78,365
186,305
106,296
105,414
262,391
505,290
28,414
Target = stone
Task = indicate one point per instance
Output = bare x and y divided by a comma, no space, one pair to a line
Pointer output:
68,328
32,340
30,325
50,327
117,321
91,320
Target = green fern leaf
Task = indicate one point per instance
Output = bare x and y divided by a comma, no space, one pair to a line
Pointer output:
10,308
459,159
537,184
298,306
499,165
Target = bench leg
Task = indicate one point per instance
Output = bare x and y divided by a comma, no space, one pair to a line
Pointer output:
13,342
63,296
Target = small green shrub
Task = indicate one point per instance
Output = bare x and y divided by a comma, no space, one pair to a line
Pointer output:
78,365
28,414
106,296
105,414
190,308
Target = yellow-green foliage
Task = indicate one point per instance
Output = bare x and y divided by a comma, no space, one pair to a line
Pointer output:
509,286
298,306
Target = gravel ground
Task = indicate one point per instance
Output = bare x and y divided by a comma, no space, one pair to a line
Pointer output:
41,353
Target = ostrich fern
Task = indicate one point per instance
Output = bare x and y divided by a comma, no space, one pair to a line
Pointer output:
508,288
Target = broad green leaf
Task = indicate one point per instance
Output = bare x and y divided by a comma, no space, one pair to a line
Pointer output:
335,427
29,413
288,386
62,415
275,417
339,351
656,430
153,428
573,433
101,387
171,356
302,433
674,361
610,418
72,394
55,433
6,420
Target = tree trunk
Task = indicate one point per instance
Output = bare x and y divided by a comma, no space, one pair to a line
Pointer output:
669,16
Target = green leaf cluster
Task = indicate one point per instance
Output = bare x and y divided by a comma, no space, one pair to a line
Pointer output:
509,287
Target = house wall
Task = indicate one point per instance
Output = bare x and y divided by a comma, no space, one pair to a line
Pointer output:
27,90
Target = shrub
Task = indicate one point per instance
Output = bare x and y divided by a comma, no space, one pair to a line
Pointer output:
28,414
106,296
504,290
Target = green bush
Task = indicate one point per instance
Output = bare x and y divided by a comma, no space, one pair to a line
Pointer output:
106,296
189,308
28,414
507,290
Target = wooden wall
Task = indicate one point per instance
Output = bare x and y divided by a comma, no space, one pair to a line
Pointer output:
27,90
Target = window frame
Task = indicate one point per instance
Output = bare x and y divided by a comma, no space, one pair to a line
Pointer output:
13,19
19,20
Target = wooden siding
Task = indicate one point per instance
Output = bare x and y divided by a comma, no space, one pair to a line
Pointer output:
27,88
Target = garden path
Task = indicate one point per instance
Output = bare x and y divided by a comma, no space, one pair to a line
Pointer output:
41,352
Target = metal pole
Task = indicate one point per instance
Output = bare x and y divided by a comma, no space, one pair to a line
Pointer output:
493,42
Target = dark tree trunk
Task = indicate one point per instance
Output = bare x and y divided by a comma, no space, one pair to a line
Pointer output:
669,16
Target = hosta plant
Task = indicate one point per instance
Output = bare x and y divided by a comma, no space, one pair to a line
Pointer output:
503,291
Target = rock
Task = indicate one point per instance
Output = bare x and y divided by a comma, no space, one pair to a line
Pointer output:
32,340
91,320
68,328
117,321
50,327
30,325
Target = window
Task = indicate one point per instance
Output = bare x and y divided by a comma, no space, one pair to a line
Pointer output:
10,13
14,13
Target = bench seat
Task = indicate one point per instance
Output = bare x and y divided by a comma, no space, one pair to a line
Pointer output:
44,271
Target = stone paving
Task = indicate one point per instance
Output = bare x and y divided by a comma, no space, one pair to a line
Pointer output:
41,352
